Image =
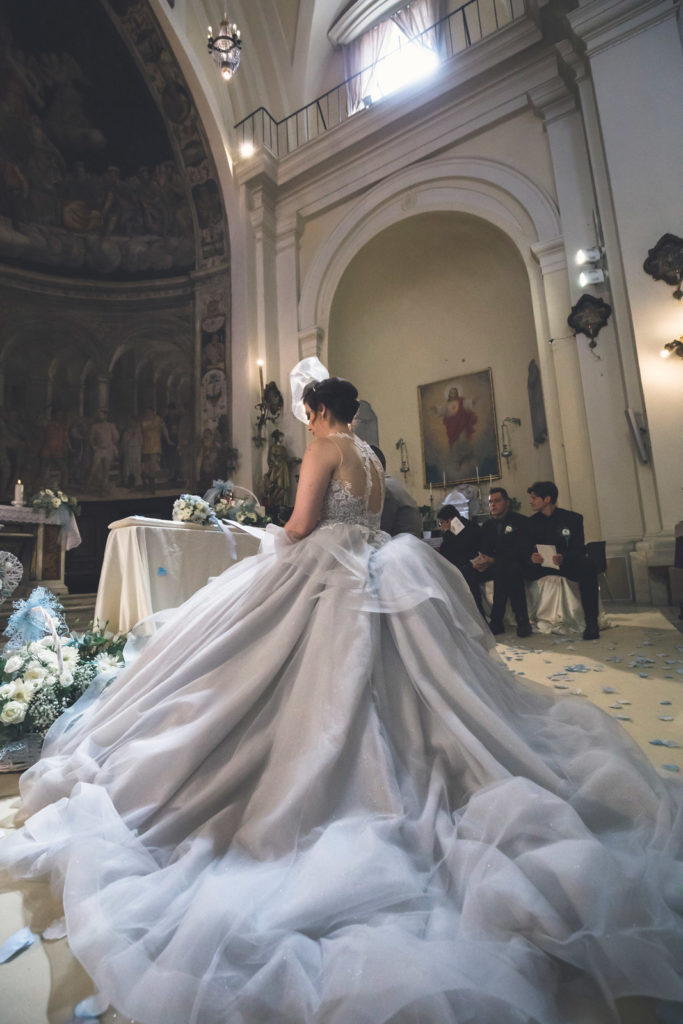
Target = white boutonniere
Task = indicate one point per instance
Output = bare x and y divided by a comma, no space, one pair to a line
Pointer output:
508,529
566,532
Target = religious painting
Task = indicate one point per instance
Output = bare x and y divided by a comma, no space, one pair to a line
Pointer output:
458,429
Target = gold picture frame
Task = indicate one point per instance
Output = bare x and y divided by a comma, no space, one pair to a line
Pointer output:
458,430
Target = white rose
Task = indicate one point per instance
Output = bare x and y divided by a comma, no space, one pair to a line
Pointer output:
56,503
7,690
13,664
66,680
13,713
35,671
47,658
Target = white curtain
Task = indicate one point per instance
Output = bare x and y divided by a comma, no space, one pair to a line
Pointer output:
359,54
418,17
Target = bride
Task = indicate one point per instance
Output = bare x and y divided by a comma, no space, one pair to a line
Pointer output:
318,797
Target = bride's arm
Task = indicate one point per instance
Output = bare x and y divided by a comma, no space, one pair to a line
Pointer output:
319,463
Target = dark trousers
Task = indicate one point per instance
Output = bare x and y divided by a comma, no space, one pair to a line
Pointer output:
581,571
508,583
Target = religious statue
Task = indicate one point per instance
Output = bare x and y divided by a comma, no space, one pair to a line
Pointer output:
277,479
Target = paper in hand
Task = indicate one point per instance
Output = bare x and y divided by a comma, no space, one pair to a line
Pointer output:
546,551
456,526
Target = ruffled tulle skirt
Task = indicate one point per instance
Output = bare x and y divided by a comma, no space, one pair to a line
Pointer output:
318,796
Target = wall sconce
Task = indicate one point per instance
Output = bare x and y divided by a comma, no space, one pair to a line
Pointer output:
269,408
673,348
506,450
402,447
665,262
589,316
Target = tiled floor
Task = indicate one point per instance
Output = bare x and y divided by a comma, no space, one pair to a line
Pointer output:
634,671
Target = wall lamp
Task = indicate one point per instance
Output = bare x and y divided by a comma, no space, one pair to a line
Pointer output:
506,450
673,348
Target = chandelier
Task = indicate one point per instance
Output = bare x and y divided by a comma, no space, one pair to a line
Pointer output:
225,48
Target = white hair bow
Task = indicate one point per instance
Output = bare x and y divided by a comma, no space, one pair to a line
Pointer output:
303,374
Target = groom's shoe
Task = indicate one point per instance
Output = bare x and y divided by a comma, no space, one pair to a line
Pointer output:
591,632
496,627
523,628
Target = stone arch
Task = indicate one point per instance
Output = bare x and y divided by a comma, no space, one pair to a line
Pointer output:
485,188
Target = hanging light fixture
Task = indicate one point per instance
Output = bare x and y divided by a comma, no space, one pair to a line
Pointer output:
226,48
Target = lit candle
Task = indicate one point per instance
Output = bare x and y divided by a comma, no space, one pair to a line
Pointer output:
430,490
18,493
260,374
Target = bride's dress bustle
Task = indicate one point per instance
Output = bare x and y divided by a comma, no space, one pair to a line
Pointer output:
318,796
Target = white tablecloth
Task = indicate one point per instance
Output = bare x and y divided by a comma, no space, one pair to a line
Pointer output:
70,536
153,564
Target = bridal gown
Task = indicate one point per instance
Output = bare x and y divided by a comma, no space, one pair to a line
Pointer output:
319,796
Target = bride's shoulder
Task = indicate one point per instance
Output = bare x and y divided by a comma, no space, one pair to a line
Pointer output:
322,449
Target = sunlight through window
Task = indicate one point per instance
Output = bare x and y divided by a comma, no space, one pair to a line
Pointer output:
410,63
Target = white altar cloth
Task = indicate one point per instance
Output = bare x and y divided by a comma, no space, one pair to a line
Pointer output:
153,564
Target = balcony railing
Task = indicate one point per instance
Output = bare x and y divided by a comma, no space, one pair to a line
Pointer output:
462,28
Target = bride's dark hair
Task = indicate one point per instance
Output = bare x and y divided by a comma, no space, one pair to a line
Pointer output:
336,394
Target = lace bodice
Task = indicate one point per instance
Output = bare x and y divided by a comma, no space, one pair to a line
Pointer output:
356,491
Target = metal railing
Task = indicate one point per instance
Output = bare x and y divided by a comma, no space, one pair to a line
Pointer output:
457,31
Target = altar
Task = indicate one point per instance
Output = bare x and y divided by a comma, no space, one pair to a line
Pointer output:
40,540
154,564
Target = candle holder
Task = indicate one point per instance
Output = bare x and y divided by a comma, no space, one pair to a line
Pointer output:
269,409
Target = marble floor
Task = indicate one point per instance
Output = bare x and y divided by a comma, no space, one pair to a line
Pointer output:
634,672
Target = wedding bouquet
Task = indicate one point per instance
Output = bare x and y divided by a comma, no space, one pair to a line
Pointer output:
44,670
51,501
190,508
240,510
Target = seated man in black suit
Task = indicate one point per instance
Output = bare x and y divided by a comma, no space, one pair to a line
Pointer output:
505,551
460,544
564,531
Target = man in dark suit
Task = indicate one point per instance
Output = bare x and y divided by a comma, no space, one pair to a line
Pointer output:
563,530
460,537
504,553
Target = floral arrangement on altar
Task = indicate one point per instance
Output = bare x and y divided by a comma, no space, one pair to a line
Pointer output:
230,508
44,669
51,501
190,508
219,502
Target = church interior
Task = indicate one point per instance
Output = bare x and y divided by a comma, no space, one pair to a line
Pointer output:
401,190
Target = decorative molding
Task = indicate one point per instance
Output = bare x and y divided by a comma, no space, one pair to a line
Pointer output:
552,101
360,17
551,255
311,341
606,23
484,188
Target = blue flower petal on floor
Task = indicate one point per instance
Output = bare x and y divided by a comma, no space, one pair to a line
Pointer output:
16,944
672,768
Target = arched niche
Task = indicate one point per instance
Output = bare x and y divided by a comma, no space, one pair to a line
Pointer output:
431,297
